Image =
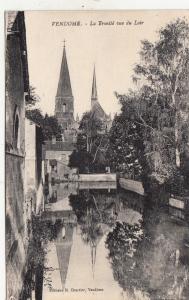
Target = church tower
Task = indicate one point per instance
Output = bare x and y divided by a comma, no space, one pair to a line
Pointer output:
94,97
64,102
96,108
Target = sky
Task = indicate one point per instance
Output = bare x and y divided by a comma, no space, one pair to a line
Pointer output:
113,49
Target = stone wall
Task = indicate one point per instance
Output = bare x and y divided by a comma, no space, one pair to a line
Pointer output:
62,159
58,155
33,167
16,89
15,94
16,229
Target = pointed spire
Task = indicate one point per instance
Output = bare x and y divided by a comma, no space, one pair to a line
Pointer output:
64,84
93,258
63,251
77,118
94,96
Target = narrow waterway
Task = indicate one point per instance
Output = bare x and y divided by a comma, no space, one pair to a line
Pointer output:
101,242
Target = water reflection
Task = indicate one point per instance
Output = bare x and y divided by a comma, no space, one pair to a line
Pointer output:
151,257
114,242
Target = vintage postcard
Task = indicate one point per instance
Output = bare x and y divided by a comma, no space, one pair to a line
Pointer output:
97,155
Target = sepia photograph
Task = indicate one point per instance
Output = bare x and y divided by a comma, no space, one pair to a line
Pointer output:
97,154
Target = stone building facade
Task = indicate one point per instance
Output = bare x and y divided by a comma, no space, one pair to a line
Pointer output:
17,87
34,167
56,155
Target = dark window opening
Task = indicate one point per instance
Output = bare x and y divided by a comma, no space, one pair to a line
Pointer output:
64,108
16,129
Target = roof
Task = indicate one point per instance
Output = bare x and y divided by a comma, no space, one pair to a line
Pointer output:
98,110
95,105
64,84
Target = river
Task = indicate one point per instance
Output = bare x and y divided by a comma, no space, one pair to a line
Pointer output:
102,242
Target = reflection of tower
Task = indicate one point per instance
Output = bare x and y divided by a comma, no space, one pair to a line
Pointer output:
64,106
93,256
77,118
63,249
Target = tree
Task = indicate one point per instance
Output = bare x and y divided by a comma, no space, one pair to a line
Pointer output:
91,144
49,124
90,126
35,115
93,211
125,143
50,127
185,152
144,256
88,216
122,243
80,159
32,98
150,130
164,73
158,108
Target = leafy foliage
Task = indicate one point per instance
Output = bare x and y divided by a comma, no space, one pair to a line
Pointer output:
43,231
92,210
50,127
80,159
158,109
144,256
164,73
122,243
90,147
35,115
125,142
32,99
49,124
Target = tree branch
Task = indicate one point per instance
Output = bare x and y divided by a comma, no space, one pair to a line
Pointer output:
97,150
97,208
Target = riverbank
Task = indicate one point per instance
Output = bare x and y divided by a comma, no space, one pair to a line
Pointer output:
178,206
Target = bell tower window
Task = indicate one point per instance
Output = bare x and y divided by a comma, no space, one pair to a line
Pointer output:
64,107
